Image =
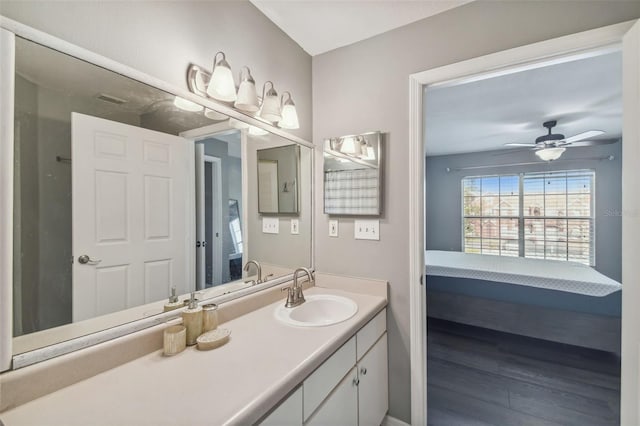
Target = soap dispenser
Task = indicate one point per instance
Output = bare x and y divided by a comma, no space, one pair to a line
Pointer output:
192,320
173,302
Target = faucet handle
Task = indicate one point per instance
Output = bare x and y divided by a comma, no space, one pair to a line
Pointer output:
291,297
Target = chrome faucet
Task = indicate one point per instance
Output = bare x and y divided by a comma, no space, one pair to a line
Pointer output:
260,280
294,295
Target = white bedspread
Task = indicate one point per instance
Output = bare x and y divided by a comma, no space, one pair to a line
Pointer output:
552,274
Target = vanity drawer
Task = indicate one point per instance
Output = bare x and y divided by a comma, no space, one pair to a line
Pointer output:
370,333
322,381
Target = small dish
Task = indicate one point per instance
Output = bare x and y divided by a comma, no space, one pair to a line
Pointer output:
213,339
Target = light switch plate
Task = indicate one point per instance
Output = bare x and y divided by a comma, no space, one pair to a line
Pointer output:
333,228
367,229
295,226
270,225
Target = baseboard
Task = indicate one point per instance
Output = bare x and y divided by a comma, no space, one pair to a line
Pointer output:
392,421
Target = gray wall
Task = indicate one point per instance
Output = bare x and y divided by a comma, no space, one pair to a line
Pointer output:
163,38
365,87
443,201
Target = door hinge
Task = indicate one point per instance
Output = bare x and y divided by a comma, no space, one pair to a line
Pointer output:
421,280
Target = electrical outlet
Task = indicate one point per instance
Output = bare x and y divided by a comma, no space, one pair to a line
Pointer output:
366,230
333,228
295,226
270,225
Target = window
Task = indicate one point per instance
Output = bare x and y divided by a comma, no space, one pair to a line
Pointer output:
538,215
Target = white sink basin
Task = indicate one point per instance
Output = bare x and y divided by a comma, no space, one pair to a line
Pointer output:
319,310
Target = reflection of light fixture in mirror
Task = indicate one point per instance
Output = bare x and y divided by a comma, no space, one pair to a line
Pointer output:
214,115
257,131
237,124
221,85
550,154
270,109
350,146
289,113
187,105
368,153
247,96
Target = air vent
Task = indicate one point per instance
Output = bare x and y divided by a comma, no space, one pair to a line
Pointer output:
111,99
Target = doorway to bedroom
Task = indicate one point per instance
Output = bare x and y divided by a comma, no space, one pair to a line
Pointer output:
523,239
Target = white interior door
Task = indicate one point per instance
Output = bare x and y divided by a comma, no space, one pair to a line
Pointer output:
201,261
630,408
130,215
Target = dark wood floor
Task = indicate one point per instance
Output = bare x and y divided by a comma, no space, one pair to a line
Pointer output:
479,377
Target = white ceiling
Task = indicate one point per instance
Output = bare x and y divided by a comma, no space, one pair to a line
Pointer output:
320,25
584,94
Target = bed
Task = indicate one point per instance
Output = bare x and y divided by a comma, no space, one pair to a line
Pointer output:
560,301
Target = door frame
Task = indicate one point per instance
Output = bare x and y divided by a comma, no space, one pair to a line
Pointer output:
525,57
216,214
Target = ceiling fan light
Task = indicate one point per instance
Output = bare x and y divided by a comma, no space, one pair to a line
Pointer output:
550,154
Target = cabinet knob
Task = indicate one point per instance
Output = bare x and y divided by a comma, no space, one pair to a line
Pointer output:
363,371
356,381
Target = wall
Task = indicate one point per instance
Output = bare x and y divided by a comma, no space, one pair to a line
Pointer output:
443,203
365,86
163,38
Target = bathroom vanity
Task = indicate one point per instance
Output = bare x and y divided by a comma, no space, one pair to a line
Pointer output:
269,372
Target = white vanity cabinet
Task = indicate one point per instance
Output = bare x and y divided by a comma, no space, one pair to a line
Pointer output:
349,388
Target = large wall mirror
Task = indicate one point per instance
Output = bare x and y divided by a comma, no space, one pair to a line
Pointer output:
123,192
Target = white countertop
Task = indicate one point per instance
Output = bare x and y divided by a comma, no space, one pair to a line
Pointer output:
236,383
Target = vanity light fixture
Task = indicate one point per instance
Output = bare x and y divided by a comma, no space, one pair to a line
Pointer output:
247,95
221,85
550,154
289,113
351,145
270,109
186,105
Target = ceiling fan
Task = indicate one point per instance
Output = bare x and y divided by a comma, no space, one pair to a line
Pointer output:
550,147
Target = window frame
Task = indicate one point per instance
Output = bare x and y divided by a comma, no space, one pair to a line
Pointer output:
522,218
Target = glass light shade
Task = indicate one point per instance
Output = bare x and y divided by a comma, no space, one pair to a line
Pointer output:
270,109
369,153
289,117
247,96
350,146
214,115
221,85
187,105
550,154
257,131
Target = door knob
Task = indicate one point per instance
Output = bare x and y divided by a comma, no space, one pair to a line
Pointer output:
86,260
363,371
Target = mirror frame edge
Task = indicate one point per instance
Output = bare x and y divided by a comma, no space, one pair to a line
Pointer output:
9,29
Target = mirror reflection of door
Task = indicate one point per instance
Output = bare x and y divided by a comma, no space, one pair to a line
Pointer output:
129,215
213,219
235,228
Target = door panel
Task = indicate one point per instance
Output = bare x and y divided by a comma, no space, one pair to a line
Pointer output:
373,391
341,406
131,211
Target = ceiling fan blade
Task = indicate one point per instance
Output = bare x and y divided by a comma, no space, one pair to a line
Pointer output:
530,145
590,143
584,135
514,151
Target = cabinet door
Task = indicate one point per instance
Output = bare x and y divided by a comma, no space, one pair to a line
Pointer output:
287,413
373,391
341,406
